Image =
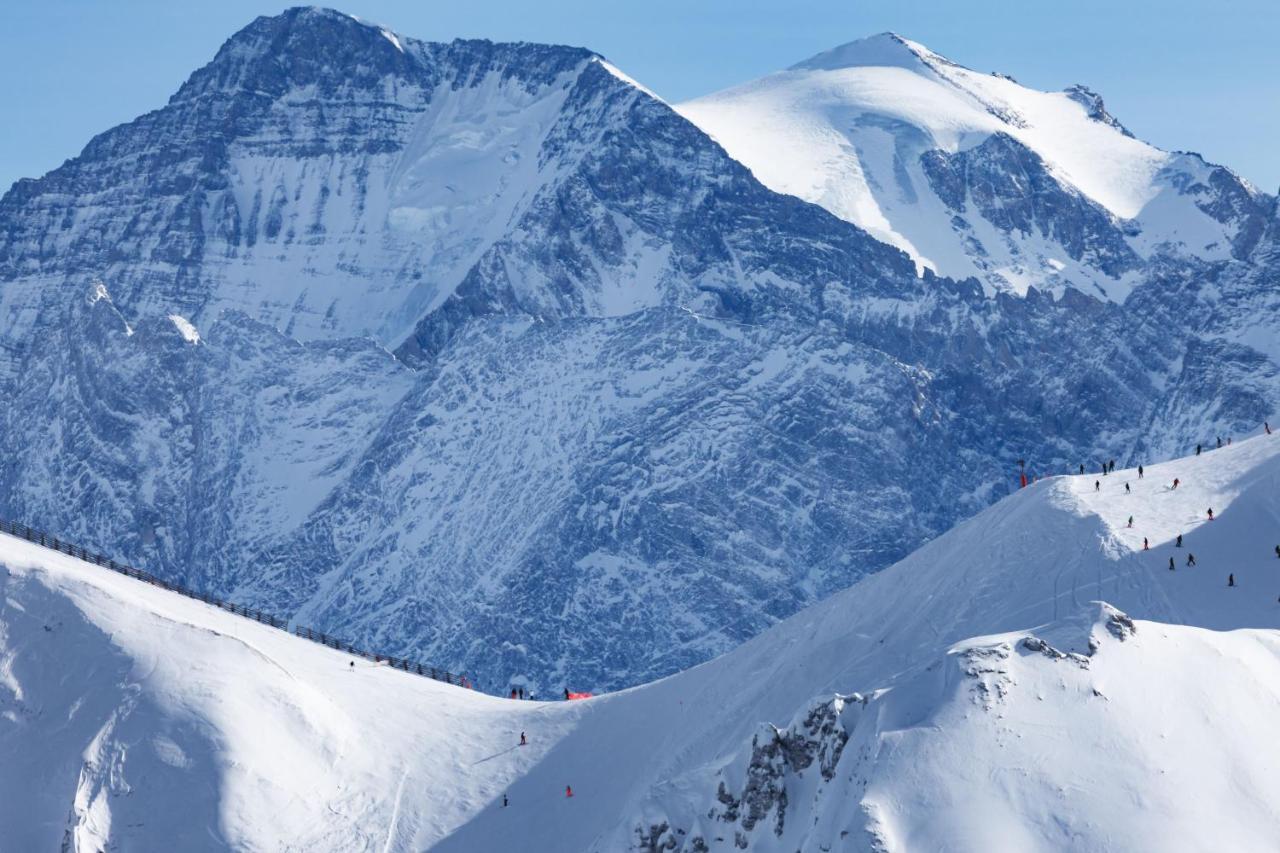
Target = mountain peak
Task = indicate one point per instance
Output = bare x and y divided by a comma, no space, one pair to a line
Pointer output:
304,45
887,49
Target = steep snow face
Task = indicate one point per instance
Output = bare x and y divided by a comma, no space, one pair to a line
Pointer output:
974,175
974,695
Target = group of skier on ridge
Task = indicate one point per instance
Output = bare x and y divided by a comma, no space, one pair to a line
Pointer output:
1110,465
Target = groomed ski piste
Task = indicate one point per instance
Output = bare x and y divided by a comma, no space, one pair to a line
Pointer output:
975,696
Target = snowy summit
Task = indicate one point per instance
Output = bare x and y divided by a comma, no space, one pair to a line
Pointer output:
974,175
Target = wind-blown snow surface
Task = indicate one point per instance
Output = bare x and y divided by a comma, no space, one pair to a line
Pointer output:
482,354
974,175
972,697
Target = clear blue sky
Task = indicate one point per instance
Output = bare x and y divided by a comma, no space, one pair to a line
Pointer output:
1186,74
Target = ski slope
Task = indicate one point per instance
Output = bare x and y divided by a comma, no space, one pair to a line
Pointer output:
912,712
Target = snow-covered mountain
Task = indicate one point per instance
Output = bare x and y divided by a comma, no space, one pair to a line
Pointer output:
975,175
483,354
975,696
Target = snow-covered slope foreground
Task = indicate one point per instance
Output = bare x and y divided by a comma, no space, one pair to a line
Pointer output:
974,175
975,696
483,355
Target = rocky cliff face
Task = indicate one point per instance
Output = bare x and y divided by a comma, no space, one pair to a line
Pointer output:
483,353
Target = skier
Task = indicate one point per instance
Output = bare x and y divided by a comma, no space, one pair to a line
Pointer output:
504,801
1081,467
513,693
1131,521
1176,481
1178,544
1278,550
1126,488
1211,513
1231,580
1145,547
1171,564
523,742
1139,472
1113,464
1219,441
1097,485
566,694
352,664
521,692
1197,450
1191,559
568,790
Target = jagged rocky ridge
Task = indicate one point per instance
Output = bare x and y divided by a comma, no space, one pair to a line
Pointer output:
503,363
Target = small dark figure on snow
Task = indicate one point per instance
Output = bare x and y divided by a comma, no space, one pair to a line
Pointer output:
1097,485
351,664
1267,427
1081,467
1139,472
513,693
1176,481
1126,488
1197,450
568,790
1278,550
1191,559
566,694
1171,564
1211,513
523,742
1178,543
1131,521
504,801
1219,441
1231,580
521,692
1145,547
1228,441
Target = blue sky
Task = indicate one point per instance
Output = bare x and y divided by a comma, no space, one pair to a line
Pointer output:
1185,74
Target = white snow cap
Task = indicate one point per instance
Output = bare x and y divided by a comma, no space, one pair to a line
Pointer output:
885,50
188,331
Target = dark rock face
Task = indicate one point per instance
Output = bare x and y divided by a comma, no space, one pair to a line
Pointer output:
1009,186
505,365
1092,102
778,758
